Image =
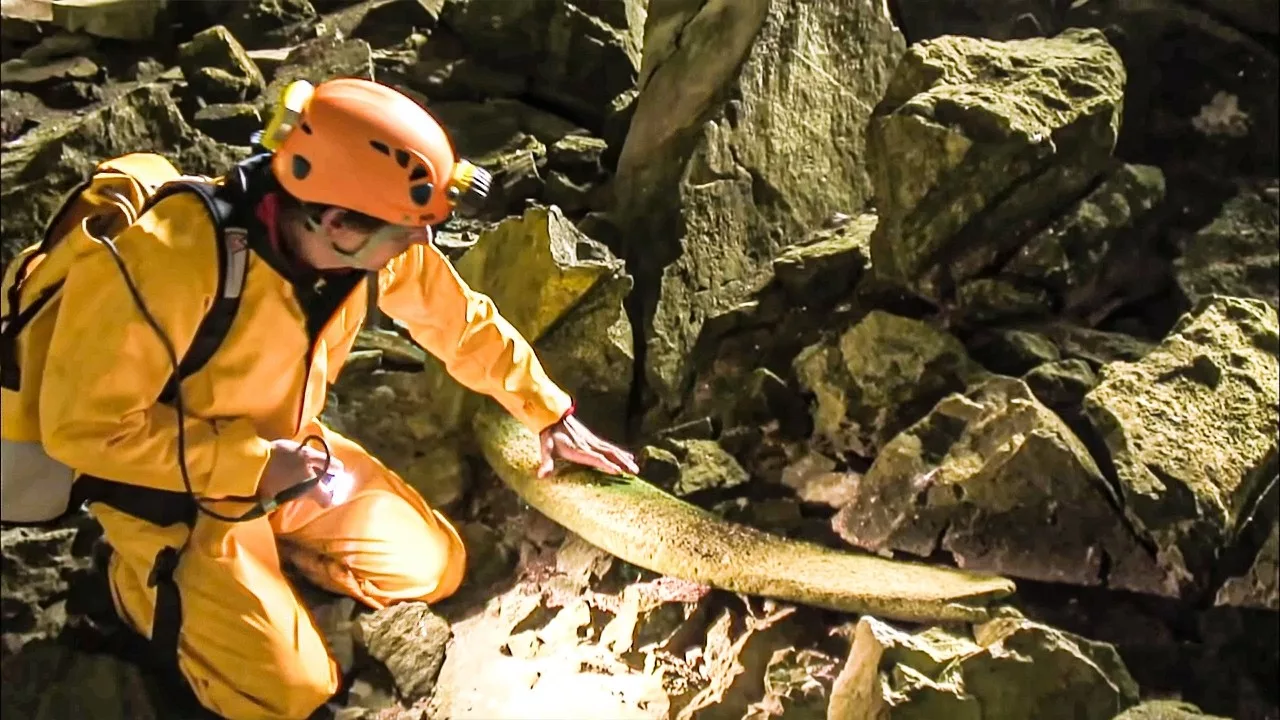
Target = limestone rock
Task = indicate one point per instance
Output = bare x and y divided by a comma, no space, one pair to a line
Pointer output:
1086,257
1000,20
410,641
1061,384
977,141
440,474
1260,586
53,681
316,61
710,191
1166,710
826,269
261,24
1011,351
59,45
22,73
705,465
879,376
40,167
1190,429
1011,668
511,140
1096,347
40,566
560,290
981,477
216,49
1236,253
115,19
384,23
577,54
231,123
19,112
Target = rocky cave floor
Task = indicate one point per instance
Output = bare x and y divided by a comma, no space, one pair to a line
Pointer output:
911,279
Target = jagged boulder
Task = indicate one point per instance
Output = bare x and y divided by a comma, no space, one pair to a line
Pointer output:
1259,586
522,146
1096,252
1010,668
410,641
977,142
1236,253
878,377
1166,710
579,56
997,480
217,67
316,61
1191,431
114,19
40,167
710,191
563,292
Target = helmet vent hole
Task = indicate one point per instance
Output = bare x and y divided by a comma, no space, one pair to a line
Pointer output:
418,173
420,193
305,127
380,147
301,167
402,158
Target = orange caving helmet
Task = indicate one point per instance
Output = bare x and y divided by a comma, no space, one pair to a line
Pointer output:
363,146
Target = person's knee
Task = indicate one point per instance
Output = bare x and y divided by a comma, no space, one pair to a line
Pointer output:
290,690
422,557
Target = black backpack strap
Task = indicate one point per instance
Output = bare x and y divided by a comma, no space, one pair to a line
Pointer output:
233,266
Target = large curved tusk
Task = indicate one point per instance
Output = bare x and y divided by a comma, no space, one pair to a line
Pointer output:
645,526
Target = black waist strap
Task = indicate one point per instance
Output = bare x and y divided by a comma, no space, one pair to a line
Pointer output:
158,507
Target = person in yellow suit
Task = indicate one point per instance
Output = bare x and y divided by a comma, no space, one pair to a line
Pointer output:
353,187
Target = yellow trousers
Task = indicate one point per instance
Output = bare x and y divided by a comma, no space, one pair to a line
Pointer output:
248,646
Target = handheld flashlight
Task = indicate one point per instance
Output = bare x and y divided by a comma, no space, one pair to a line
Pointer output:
337,485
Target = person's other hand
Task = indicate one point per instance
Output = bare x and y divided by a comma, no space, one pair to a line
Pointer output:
570,440
289,465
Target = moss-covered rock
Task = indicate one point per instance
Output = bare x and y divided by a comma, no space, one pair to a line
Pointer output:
1010,668
1191,428
1166,710
878,377
747,134
40,167
577,55
999,481
1236,254
217,49
1259,586
976,142
562,291
1098,249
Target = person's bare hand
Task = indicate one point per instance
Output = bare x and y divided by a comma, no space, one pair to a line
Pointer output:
289,465
570,440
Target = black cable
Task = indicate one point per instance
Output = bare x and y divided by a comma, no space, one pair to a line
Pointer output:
259,509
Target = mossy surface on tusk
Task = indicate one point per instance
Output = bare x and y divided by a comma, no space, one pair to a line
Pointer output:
645,526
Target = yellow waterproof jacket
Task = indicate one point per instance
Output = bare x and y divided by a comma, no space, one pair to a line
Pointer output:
105,366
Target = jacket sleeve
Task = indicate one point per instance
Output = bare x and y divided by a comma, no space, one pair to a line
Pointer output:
462,327
106,366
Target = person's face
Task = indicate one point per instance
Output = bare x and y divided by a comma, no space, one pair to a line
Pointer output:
334,245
